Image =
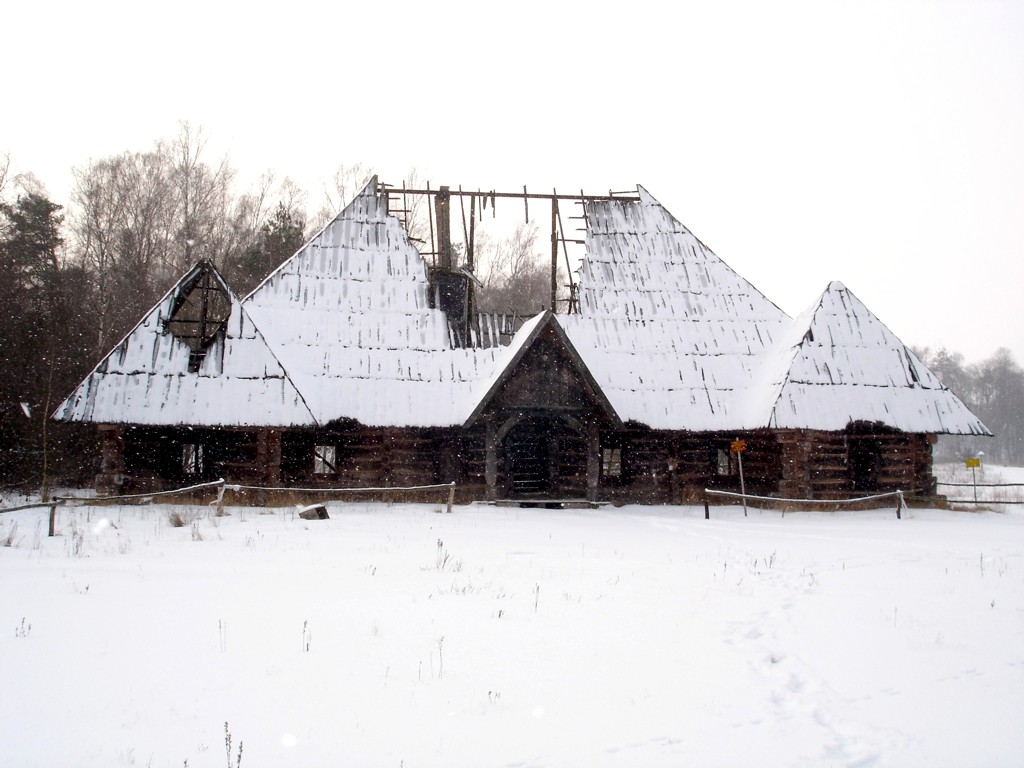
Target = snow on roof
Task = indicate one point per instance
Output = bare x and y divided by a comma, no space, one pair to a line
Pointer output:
678,340
848,366
671,333
145,379
518,347
350,317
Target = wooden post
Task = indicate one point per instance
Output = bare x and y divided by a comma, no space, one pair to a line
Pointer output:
442,204
554,251
743,486
111,474
470,260
53,518
268,461
552,453
451,497
593,460
738,447
220,500
273,457
707,509
673,479
491,463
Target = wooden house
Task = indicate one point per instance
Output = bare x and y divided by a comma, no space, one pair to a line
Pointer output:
347,367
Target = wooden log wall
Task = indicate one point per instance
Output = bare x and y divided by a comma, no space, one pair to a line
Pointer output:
112,470
657,467
153,456
838,465
388,457
674,467
473,465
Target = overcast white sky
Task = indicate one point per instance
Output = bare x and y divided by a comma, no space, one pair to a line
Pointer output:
879,144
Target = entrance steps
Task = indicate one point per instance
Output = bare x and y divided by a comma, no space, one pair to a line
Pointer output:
549,503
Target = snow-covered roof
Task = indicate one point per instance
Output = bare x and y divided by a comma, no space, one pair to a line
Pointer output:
519,347
672,337
145,379
350,318
848,366
678,340
672,334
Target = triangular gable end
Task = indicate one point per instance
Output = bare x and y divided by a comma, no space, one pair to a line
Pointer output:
544,371
349,317
849,367
197,358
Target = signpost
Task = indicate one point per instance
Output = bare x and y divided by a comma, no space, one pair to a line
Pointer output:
973,464
738,447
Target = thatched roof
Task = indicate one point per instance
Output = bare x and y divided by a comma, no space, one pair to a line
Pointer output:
670,335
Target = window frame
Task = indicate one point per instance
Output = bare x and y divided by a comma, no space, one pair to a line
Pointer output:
325,460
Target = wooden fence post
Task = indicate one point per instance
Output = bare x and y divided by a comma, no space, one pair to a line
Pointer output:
451,496
220,500
53,518
707,509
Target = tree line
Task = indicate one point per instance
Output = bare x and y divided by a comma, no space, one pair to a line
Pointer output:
75,279
994,391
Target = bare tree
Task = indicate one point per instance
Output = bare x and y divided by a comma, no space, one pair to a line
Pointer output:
346,182
5,169
203,201
514,275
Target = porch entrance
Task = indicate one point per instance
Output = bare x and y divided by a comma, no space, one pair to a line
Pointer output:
544,458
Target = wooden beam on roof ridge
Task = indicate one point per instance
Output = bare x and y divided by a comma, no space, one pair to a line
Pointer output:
524,195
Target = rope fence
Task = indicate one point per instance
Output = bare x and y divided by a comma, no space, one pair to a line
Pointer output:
775,500
221,487
976,486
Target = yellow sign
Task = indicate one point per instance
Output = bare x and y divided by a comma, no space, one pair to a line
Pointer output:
738,446
971,463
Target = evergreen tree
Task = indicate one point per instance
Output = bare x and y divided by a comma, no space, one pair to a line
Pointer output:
44,337
280,236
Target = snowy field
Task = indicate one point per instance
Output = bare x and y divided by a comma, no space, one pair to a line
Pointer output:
395,635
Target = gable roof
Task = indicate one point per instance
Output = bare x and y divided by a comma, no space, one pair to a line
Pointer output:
847,366
521,346
350,317
672,334
145,378
669,336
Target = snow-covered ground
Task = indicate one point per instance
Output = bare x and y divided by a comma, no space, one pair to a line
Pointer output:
395,635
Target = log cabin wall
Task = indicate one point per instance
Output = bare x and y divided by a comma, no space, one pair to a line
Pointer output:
471,472
856,462
365,457
111,476
661,467
159,458
635,465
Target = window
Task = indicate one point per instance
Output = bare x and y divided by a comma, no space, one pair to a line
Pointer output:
611,462
324,460
192,459
726,463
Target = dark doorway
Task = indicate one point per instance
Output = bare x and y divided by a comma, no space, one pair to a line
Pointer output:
865,462
530,459
545,458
